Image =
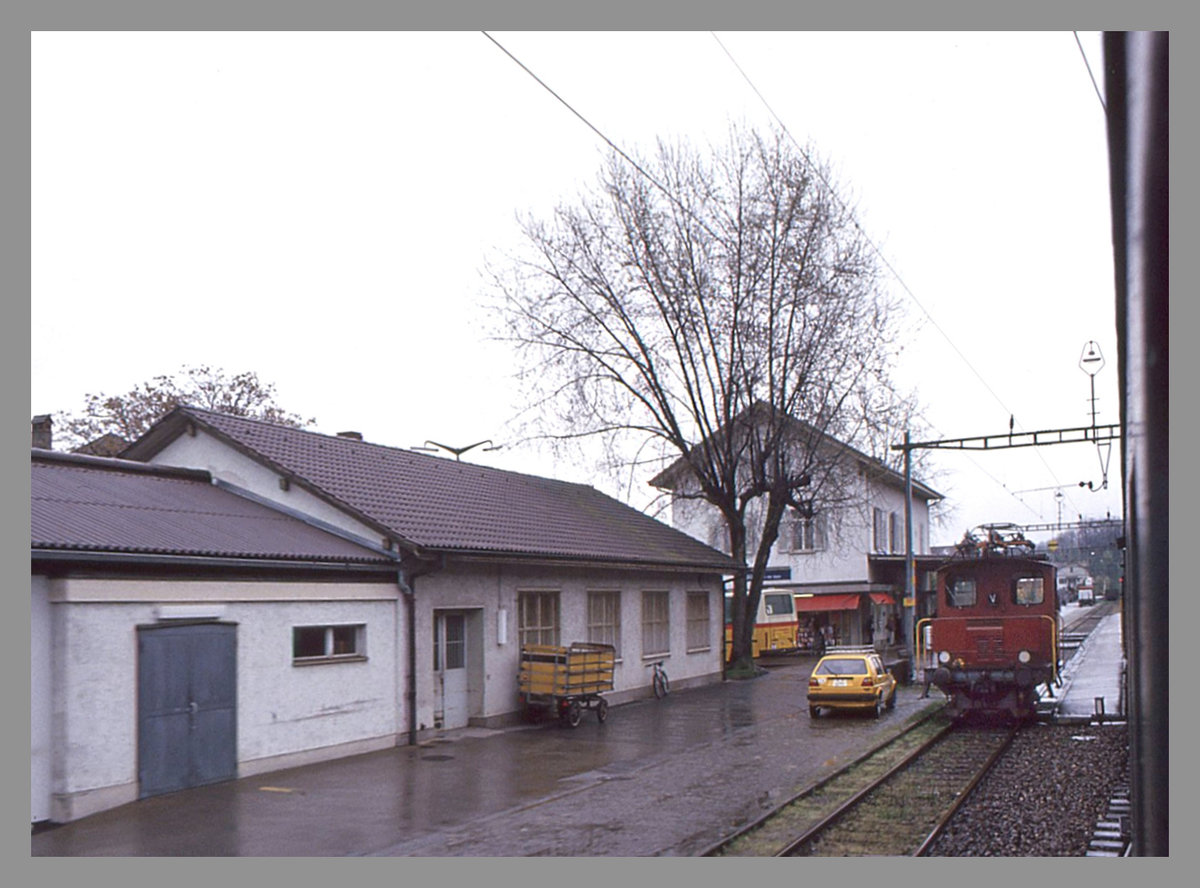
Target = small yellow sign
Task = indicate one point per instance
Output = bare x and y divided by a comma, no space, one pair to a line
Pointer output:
908,602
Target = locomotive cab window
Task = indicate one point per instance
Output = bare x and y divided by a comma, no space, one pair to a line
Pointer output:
1028,590
960,592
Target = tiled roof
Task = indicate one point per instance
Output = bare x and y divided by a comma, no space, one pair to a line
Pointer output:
105,505
445,505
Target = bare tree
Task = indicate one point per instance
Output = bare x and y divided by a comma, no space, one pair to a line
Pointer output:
131,414
723,307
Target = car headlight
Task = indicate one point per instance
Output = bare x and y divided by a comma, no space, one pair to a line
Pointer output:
1024,656
943,656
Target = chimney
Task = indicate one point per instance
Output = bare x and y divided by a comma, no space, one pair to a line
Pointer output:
41,431
353,436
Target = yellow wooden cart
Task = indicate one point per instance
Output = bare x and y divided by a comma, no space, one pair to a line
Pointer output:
566,680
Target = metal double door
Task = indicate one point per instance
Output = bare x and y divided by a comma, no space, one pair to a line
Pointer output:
187,706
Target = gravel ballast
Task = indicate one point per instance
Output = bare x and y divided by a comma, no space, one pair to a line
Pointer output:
1044,797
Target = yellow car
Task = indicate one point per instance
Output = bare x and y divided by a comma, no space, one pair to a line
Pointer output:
851,680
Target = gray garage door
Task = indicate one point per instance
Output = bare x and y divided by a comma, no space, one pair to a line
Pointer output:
187,729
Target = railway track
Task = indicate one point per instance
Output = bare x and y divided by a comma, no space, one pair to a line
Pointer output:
892,801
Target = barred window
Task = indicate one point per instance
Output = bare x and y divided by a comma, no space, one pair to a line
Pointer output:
537,619
656,624
699,634
604,619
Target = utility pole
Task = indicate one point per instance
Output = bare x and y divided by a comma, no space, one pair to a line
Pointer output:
910,568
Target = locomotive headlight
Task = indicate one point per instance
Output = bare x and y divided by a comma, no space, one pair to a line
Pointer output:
943,656
1023,656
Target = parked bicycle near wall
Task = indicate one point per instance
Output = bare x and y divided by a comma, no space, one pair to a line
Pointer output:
662,685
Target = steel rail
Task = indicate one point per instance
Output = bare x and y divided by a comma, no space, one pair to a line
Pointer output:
716,847
846,807
835,815
965,794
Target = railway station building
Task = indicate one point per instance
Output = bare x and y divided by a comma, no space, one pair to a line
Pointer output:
293,597
842,563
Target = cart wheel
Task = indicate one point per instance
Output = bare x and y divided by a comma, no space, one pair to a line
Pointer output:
572,714
601,710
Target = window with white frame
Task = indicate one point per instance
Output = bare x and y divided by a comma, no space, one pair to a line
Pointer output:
604,619
327,644
807,534
537,618
879,533
699,625
656,624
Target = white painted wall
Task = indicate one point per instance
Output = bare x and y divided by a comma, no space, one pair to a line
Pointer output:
41,701
492,588
848,535
286,714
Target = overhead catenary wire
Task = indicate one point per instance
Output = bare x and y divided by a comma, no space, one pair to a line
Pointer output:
1088,65
650,178
878,252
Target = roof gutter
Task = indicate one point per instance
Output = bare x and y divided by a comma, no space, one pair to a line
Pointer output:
40,555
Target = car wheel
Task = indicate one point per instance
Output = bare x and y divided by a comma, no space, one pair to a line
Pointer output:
891,704
879,705
814,711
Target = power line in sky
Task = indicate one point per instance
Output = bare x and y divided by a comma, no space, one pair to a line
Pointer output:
788,133
1088,65
879,252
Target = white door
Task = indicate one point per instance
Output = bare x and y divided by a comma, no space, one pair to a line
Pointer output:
450,667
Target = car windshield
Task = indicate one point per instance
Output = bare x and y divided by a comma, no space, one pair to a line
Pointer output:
855,666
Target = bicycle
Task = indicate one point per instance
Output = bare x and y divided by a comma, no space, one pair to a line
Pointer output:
662,685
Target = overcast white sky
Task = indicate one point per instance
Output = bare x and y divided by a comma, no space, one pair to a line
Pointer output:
317,207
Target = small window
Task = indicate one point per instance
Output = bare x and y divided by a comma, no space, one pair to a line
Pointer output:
699,634
604,619
808,534
960,592
779,605
1028,590
319,644
656,623
537,618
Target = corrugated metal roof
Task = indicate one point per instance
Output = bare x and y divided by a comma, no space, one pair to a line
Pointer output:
93,504
446,505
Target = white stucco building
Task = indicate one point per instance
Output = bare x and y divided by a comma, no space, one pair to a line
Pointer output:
298,597
844,564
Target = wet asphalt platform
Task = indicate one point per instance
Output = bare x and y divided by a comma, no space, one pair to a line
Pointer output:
661,777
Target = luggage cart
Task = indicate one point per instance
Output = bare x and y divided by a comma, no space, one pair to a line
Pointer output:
566,680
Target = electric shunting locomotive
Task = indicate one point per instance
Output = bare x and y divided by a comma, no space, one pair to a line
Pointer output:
995,639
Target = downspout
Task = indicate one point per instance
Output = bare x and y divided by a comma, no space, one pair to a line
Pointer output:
406,578
404,582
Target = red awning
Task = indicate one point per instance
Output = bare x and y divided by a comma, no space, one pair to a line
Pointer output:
882,598
838,602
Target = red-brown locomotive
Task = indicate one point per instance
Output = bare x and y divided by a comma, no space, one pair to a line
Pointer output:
995,639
